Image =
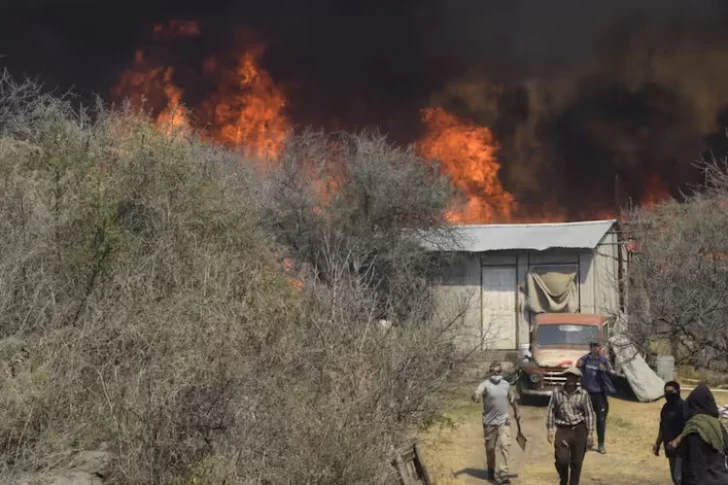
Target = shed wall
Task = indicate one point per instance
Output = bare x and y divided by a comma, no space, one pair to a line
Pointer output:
458,297
462,285
524,261
606,275
587,282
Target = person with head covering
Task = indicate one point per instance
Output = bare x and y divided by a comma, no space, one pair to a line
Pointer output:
497,396
570,427
673,416
703,443
596,382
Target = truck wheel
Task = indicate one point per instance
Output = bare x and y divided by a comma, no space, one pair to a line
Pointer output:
523,399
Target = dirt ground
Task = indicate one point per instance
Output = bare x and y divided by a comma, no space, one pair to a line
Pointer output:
456,455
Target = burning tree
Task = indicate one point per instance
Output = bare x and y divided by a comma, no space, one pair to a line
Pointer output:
344,205
679,273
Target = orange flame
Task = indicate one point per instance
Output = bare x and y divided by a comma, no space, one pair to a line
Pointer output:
174,117
655,191
324,189
137,82
246,112
288,268
468,154
144,84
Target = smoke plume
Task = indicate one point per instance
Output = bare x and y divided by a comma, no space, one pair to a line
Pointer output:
590,102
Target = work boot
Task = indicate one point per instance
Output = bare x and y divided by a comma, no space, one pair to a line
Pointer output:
601,449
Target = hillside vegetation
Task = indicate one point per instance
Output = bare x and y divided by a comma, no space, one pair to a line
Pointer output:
206,318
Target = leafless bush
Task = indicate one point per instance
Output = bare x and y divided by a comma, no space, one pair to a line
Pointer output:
144,304
679,276
349,203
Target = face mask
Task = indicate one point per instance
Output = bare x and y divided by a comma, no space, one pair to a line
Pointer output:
496,379
671,397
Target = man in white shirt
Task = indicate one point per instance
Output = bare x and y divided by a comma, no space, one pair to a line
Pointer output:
497,396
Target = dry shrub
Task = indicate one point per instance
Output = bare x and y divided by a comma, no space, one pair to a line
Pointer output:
679,276
350,203
144,304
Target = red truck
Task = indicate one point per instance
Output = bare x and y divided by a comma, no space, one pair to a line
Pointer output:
558,340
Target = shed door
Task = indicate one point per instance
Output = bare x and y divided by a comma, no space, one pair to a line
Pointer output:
500,291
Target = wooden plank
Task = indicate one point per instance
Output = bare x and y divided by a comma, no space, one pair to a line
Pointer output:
408,455
421,469
403,472
409,465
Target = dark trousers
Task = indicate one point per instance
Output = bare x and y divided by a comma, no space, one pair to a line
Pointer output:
601,409
569,450
675,468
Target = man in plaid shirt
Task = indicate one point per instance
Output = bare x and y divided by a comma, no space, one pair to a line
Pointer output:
570,426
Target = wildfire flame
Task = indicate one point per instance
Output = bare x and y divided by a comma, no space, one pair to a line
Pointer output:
468,154
145,84
246,111
174,116
289,267
655,191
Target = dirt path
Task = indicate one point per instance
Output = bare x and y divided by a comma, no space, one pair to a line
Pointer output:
455,456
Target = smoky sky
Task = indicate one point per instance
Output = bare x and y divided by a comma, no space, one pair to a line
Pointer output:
579,93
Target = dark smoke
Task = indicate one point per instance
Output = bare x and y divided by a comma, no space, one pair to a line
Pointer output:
578,93
583,93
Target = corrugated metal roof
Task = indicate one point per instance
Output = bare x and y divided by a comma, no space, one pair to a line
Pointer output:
536,237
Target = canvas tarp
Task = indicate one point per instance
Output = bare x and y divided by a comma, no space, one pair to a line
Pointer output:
552,291
645,383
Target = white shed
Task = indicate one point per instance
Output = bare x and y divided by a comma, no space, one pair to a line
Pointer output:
507,273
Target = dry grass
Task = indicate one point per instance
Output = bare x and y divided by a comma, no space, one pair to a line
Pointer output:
455,456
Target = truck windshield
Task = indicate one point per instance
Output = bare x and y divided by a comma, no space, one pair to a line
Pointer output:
571,334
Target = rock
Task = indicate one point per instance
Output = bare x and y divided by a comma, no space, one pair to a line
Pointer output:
93,462
66,477
85,468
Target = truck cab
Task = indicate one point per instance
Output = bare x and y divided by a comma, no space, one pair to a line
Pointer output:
558,340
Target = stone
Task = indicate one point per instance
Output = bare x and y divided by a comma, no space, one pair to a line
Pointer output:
95,462
65,477
85,468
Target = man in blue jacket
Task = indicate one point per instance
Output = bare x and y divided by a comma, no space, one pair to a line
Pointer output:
596,369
